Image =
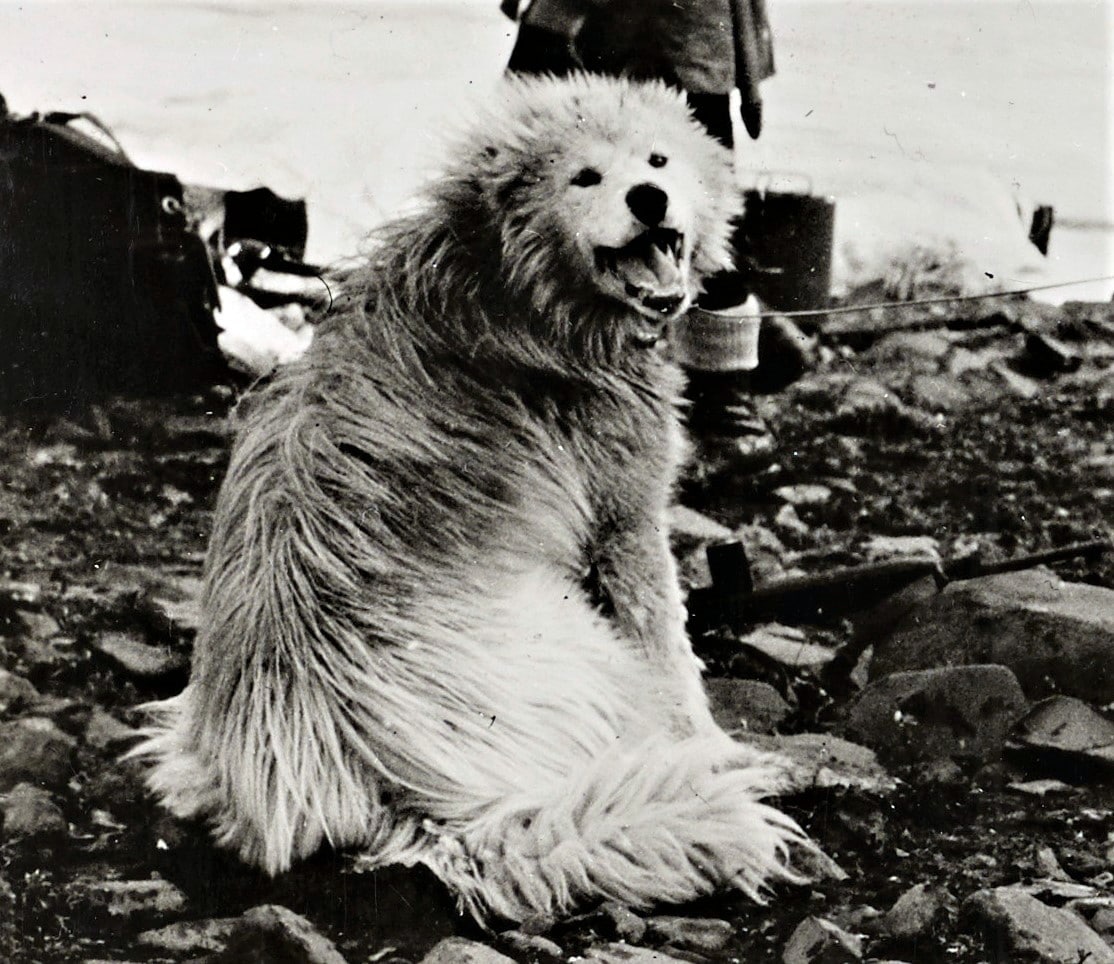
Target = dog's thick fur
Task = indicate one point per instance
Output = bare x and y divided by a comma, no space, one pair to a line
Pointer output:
442,623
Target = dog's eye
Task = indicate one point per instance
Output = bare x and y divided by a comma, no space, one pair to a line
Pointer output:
586,177
658,160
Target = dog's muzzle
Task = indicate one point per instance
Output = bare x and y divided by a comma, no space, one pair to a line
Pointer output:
651,274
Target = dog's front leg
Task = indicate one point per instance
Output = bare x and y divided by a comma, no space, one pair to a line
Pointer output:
637,582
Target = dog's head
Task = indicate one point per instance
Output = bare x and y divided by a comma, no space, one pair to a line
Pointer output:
606,191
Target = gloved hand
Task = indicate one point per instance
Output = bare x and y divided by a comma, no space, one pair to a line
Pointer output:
752,116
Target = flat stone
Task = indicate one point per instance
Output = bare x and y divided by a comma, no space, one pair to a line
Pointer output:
129,898
819,941
921,912
272,932
688,525
34,750
459,950
532,944
881,548
31,814
1056,636
103,730
1058,891
1066,726
804,495
1041,788
959,712
1018,927
625,954
787,645
821,761
36,625
206,936
16,693
746,704
138,658
936,393
704,934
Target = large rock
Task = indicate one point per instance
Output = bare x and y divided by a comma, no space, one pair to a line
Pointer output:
34,750
920,913
819,941
31,814
459,950
273,934
1021,929
961,712
1056,636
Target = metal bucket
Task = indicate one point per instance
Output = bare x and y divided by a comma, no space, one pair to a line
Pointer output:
790,237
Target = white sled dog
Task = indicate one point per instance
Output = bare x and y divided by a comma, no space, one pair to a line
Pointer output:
441,620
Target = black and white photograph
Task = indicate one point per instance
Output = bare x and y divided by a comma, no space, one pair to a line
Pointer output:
540,481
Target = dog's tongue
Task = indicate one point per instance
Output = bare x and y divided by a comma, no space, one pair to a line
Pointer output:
653,269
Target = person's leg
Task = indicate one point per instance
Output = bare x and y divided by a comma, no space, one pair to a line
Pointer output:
715,341
538,50
714,112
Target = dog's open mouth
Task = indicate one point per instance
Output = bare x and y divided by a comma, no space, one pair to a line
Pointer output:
650,274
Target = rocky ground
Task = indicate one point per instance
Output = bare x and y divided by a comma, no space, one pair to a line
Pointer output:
951,748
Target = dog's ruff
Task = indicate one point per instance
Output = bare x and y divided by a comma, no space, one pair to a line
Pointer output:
441,621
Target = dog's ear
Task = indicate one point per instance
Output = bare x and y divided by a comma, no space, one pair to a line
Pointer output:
502,174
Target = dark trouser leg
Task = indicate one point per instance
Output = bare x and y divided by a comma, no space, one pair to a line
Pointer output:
538,51
714,112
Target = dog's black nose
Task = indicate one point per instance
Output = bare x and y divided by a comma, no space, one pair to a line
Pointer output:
648,203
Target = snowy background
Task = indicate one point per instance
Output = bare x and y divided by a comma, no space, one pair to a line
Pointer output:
923,119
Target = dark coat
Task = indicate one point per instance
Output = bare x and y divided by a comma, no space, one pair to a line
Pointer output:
702,46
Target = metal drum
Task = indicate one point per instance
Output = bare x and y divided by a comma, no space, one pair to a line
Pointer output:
789,237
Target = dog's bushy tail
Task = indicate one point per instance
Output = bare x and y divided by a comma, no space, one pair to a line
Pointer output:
662,821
